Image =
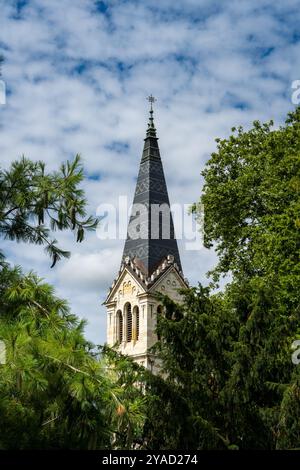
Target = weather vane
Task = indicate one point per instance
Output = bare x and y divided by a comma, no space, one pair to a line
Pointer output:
151,100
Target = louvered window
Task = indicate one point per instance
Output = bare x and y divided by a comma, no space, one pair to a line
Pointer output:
129,323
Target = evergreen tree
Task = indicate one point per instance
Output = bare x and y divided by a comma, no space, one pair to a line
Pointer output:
34,202
55,390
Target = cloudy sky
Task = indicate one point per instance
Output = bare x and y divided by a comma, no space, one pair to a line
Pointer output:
77,74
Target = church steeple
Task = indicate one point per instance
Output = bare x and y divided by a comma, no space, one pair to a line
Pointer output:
150,262
156,238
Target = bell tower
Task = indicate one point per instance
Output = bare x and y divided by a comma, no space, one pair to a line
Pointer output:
150,261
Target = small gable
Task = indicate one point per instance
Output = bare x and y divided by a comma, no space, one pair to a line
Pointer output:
169,283
126,285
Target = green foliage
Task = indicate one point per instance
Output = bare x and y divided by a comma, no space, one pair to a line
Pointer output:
130,378
195,345
251,200
33,203
55,391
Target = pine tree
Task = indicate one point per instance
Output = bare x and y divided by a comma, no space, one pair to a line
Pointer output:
56,390
33,203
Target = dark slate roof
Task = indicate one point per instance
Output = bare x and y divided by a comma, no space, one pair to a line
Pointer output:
148,251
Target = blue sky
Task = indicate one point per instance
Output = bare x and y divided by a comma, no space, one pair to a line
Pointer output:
77,74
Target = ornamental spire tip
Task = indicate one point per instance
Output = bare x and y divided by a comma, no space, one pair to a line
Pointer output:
151,131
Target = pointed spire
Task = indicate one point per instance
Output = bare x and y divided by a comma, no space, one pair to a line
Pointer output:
151,131
152,246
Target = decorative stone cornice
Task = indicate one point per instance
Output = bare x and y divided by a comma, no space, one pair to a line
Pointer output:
132,266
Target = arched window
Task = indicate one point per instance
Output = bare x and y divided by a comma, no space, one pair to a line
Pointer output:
128,314
136,323
159,309
119,326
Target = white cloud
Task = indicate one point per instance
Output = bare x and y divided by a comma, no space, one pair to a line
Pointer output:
77,81
91,271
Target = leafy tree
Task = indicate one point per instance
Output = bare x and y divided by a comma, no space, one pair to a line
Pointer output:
251,199
33,203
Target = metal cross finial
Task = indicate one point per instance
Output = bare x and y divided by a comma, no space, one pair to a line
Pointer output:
151,100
